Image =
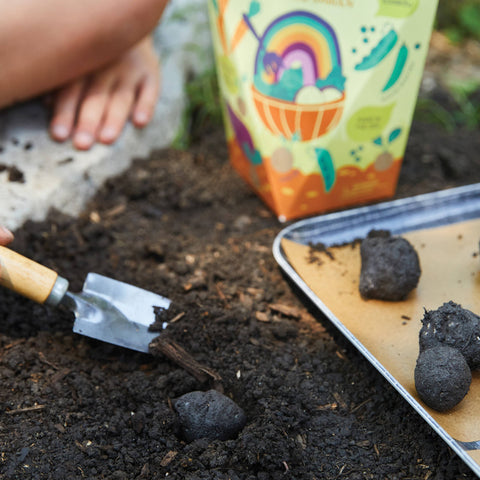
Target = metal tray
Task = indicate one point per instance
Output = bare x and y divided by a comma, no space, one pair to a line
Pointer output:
399,216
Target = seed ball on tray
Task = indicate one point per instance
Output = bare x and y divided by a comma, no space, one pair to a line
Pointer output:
453,326
442,377
390,268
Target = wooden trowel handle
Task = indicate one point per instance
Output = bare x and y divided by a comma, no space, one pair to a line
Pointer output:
26,277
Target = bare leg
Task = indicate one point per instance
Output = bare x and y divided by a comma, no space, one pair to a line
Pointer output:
93,51
96,107
44,45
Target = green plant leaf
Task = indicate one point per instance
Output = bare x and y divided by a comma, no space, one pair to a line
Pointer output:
469,17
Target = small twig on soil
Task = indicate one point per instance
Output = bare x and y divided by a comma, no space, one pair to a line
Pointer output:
113,212
25,409
285,310
10,345
360,405
176,318
59,375
78,235
339,400
328,406
14,343
220,293
43,359
340,355
177,354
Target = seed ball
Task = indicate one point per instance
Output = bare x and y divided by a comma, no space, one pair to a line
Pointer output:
390,268
209,415
453,326
442,377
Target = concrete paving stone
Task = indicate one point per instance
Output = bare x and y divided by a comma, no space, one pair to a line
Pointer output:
54,175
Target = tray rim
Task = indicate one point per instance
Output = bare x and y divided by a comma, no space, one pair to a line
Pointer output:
384,212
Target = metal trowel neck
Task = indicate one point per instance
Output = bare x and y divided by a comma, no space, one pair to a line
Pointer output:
58,292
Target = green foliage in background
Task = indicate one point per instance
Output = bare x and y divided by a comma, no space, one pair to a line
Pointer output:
460,110
203,110
466,95
465,115
459,19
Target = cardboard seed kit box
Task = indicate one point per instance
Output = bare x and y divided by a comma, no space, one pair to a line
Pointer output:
318,95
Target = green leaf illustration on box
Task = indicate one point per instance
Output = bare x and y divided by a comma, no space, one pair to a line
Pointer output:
379,52
396,8
369,122
253,9
327,168
397,68
394,134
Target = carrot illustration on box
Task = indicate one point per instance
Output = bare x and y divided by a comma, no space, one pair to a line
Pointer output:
302,90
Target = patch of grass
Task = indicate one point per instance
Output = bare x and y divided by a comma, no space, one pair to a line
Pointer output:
466,94
203,110
460,110
429,111
459,19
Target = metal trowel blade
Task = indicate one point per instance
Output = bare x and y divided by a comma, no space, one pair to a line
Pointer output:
115,312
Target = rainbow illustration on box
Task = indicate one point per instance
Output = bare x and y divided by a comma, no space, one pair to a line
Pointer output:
319,96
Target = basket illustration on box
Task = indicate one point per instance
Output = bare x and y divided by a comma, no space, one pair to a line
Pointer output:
306,109
298,58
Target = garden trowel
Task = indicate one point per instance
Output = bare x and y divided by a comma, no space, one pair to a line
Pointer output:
106,309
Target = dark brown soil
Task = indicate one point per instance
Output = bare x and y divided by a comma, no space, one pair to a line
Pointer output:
184,225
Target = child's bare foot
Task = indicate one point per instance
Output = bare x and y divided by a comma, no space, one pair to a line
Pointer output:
96,107
6,236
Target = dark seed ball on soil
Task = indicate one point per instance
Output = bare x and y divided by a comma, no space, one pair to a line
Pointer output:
390,268
442,377
453,326
208,415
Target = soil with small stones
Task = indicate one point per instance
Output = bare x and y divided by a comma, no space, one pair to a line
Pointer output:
184,225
